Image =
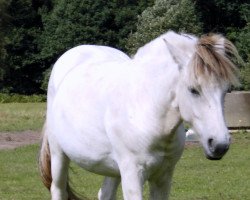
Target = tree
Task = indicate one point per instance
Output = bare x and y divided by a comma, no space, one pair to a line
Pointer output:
222,15
231,18
71,23
34,33
22,73
177,15
126,17
39,31
3,20
243,44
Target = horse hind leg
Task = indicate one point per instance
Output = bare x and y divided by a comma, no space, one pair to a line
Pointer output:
54,164
109,188
60,188
59,172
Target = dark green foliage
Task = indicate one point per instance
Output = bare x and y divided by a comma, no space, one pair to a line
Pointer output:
242,40
3,20
231,18
72,23
22,73
219,15
40,31
243,44
34,33
45,80
245,76
177,15
228,17
18,98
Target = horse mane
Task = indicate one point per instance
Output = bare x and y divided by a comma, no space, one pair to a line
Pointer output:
214,56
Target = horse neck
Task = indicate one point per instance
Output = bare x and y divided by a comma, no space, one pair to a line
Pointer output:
155,77
155,65
154,51
160,74
156,62
184,43
153,88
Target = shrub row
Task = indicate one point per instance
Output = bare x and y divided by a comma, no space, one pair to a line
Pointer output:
17,98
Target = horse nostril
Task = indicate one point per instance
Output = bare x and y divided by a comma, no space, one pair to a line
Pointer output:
221,149
217,149
210,143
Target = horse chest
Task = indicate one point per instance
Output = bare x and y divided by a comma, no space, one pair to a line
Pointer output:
166,150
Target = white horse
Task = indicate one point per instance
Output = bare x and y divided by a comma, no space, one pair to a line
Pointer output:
122,117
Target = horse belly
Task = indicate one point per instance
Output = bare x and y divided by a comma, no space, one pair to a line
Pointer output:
92,151
99,164
81,134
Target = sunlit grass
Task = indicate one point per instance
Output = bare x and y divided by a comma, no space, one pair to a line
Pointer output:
21,116
195,178
198,178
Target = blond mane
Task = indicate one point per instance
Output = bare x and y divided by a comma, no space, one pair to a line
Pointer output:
214,57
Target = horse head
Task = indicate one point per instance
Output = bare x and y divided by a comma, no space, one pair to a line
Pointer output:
203,83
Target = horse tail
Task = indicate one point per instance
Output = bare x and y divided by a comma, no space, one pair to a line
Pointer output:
45,165
45,160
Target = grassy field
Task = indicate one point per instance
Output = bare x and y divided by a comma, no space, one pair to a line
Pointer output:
195,178
21,116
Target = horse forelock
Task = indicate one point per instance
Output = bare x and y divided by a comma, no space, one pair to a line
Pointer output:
213,58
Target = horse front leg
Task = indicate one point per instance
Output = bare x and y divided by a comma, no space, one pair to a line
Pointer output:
132,179
160,188
109,188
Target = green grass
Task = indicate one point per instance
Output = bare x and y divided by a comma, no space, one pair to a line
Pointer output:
195,178
19,175
21,116
199,178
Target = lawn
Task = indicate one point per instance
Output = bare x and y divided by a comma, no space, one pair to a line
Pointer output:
195,178
21,116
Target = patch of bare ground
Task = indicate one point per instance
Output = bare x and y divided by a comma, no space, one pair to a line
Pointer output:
12,140
17,139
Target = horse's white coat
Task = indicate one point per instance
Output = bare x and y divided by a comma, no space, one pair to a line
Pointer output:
117,116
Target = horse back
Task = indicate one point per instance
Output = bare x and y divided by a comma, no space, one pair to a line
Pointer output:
82,55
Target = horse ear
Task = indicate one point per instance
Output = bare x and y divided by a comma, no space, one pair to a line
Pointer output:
176,54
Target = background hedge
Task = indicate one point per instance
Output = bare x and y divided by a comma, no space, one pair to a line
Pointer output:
34,33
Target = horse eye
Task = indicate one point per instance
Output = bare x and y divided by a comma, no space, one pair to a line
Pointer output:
194,91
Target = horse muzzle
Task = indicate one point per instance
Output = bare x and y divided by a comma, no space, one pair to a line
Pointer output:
216,150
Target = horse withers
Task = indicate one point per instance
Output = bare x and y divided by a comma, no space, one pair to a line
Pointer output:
122,117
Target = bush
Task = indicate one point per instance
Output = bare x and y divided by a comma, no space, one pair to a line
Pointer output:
242,39
179,16
46,76
17,98
245,76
